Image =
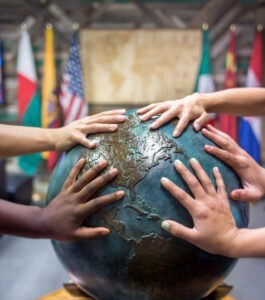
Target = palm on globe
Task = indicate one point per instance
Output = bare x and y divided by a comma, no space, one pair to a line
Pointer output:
138,260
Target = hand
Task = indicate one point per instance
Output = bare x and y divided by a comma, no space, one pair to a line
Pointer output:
214,228
64,216
186,109
251,174
75,133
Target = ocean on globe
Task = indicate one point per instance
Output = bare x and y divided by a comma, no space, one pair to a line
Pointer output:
139,260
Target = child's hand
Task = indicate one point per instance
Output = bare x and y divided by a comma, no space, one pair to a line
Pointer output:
64,216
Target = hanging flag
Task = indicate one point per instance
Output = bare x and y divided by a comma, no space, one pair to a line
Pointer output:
71,92
29,102
250,128
2,94
50,105
228,123
205,82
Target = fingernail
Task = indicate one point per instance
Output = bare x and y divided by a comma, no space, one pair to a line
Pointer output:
103,163
215,169
164,179
121,118
165,225
113,127
120,193
176,133
114,171
178,162
153,126
196,126
194,160
208,147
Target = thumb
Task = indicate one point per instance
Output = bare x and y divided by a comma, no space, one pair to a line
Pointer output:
86,233
241,195
178,230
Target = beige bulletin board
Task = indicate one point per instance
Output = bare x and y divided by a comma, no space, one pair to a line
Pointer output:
139,66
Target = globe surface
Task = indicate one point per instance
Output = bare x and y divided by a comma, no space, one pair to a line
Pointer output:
139,260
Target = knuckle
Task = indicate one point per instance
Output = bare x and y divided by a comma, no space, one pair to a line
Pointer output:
202,212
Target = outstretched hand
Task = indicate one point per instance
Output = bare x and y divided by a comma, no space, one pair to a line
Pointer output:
76,131
251,174
64,216
186,109
214,228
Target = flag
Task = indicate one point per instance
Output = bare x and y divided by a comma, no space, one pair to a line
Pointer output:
250,127
71,92
228,123
205,82
2,97
50,104
29,102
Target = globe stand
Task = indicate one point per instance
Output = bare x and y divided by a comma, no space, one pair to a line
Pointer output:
70,291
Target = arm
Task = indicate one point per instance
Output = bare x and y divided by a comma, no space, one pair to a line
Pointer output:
214,230
62,219
18,140
238,101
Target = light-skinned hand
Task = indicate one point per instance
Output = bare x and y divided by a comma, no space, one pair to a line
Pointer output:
75,132
214,228
251,174
187,109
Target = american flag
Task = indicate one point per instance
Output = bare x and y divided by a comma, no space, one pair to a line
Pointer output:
71,94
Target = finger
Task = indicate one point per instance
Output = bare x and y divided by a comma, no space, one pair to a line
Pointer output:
88,176
107,119
190,179
98,203
112,112
99,128
220,184
166,117
184,198
202,120
85,233
182,124
179,230
74,173
92,187
84,141
225,143
145,109
244,195
203,177
217,131
223,155
153,112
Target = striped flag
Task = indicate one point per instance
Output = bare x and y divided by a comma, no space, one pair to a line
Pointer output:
71,92
205,82
2,97
50,104
228,123
29,102
250,130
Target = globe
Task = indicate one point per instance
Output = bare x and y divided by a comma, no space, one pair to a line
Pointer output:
139,260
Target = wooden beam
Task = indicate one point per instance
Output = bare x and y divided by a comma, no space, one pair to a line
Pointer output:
211,12
156,19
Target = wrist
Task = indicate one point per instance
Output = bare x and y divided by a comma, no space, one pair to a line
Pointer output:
236,246
45,228
54,136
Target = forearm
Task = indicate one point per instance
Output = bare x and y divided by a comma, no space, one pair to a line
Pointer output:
21,220
238,101
18,140
249,243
